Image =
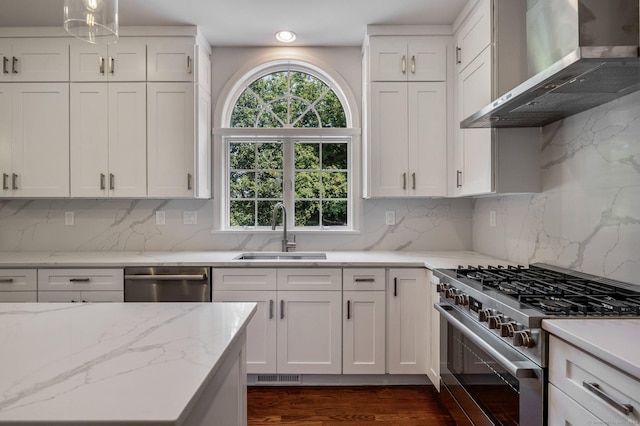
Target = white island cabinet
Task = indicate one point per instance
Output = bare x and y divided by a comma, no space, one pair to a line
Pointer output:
124,363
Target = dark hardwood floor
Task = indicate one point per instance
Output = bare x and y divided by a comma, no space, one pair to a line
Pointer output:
346,405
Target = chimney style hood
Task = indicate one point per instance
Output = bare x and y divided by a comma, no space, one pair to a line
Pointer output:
580,53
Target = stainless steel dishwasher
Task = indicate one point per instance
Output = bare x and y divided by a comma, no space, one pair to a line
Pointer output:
167,284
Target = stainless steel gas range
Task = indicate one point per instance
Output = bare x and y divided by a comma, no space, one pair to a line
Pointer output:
493,350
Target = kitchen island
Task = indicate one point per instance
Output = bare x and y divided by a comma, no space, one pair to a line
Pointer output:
123,364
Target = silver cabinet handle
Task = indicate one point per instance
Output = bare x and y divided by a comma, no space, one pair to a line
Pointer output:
348,309
459,179
594,388
6,280
281,308
189,185
168,277
271,309
365,280
101,65
112,65
404,181
188,64
395,287
79,280
102,179
413,65
458,55
14,181
413,177
5,63
14,65
404,64
112,181
4,181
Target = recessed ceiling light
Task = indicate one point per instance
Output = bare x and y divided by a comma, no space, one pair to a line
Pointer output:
285,36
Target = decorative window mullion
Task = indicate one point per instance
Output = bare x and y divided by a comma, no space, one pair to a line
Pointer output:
288,184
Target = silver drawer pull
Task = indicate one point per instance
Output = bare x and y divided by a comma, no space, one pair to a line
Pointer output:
281,308
6,280
5,185
168,277
271,309
188,64
365,280
14,65
5,62
594,388
79,280
101,65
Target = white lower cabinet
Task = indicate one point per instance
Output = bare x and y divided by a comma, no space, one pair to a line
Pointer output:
80,285
18,285
294,331
80,296
433,332
407,299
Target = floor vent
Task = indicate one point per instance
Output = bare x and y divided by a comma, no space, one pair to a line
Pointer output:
278,378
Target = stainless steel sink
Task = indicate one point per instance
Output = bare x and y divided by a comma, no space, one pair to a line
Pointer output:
282,256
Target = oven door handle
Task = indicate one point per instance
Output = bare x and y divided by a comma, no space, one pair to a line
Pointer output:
167,277
519,369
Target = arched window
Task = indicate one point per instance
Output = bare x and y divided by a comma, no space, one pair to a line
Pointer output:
308,171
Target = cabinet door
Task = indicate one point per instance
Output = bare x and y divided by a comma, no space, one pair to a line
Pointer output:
476,144
388,58
5,137
40,146
59,297
170,130
18,296
127,140
427,139
18,280
388,140
89,140
363,326
127,60
309,332
261,331
309,279
406,322
170,60
40,60
427,59
101,296
565,411
88,62
474,35
6,57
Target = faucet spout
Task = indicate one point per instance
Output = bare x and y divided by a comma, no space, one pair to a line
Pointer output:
286,244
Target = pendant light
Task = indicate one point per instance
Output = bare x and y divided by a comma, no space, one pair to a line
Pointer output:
94,21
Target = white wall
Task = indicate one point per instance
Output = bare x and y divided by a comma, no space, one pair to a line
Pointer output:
109,225
588,216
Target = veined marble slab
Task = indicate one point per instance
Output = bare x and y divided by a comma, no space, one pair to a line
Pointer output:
111,363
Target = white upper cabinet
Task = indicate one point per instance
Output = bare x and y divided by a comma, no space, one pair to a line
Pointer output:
123,61
35,139
407,58
34,60
108,140
171,60
474,35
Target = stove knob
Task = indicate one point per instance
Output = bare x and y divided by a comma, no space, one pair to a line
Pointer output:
461,299
495,321
450,293
502,320
523,338
508,329
483,315
440,288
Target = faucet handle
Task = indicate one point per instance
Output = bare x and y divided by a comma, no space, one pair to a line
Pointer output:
291,244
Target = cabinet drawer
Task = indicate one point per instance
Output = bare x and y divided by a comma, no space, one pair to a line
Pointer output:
18,280
18,296
309,279
80,279
565,411
364,279
243,279
80,296
570,368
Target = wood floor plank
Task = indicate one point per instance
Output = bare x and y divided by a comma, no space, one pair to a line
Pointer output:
346,405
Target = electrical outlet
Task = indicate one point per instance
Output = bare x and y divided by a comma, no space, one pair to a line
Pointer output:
69,218
390,217
492,218
190,218
160,220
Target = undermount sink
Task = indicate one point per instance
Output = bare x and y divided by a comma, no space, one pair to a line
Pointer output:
282,256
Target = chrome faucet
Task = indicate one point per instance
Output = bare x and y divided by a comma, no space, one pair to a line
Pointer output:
286,244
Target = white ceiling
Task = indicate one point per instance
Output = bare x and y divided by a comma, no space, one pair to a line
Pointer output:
254,22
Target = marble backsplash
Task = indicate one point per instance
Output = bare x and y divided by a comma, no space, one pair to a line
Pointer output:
588,216
130,225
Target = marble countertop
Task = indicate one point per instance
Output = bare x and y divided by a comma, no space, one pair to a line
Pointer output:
111,362
612,340
430,260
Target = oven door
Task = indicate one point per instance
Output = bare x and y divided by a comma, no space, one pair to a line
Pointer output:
490,382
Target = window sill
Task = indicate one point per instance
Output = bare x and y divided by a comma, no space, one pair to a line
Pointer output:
289,231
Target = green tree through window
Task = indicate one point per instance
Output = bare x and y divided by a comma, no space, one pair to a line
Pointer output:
318,168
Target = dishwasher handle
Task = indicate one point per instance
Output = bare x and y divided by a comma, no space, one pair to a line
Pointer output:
168,277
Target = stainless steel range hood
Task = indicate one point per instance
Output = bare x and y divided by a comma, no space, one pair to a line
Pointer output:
581,54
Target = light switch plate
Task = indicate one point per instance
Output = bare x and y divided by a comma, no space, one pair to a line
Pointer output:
390,217
492,218
190,218
69,218
160,217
